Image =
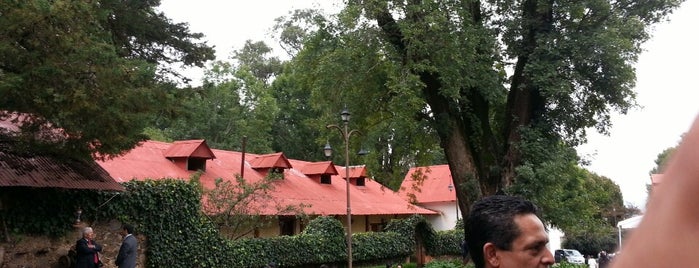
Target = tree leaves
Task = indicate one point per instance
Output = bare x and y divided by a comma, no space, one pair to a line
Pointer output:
85,69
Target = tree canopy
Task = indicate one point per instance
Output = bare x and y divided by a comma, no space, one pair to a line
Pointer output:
95,71
477,77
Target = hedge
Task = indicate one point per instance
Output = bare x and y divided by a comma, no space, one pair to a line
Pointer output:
168,213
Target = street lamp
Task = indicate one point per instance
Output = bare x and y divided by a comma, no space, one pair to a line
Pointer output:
456,200
346,134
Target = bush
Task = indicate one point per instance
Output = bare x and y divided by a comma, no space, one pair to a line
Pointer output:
168,212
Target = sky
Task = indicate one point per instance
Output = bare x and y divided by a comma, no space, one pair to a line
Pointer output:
666,80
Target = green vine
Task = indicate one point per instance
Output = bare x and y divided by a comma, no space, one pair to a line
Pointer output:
169,213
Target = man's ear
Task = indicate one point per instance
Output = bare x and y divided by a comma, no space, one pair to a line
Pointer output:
490,255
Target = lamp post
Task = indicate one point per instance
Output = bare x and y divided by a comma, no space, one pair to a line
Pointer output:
346,134
456,200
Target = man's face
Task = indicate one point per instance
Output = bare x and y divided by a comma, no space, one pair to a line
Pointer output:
528,249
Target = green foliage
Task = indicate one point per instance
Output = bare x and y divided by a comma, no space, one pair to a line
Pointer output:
98,80
234,102
447,264
569,265
168,213
570,197
50,215
235,206
447,243
444,81
593,241
384,245
662,159
327,227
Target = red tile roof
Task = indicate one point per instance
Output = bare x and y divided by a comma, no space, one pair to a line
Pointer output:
317,168
428,185
275,160
189,148
656,179
147,161
354,172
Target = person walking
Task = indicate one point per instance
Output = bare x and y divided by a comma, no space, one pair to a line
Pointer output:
87,250
128,250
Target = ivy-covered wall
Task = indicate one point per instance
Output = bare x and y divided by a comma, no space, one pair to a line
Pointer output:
168,213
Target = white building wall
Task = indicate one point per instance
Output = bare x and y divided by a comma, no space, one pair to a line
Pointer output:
555,238
446,219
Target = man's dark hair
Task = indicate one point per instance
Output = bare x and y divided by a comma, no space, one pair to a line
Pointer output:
492,220
128,228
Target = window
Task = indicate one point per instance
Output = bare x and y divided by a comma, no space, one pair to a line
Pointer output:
377,227
286,225
325,179
361,182
196,164
278,172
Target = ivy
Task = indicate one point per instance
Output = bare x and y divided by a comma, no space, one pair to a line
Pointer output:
168,212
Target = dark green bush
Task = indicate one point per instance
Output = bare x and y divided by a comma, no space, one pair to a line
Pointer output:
168,213
447,243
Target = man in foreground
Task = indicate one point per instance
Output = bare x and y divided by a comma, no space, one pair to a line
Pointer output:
505,231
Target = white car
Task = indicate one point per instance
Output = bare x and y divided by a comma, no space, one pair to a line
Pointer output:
569,255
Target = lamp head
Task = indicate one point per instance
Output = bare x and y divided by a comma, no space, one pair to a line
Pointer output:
345,115
327,150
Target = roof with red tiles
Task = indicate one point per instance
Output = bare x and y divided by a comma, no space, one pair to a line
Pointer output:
354,172
656,179
317,168
275,160
296,188
189,148
429,184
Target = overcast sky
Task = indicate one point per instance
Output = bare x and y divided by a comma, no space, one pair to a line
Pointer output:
666,80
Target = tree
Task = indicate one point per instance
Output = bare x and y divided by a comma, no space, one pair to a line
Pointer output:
235,101
660,163
477,76
662,159
94,71
241,207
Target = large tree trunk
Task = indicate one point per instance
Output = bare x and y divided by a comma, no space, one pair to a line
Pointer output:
524,101
447,120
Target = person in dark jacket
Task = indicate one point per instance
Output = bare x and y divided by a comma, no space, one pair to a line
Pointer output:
128,250
603,259
87,250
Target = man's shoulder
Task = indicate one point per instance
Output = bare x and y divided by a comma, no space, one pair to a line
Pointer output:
131,238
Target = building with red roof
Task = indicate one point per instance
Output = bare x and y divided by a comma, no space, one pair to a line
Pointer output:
316,187
431,187
656,179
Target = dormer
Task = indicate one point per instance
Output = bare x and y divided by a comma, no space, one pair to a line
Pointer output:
357,175
321,172
190,154
270,164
